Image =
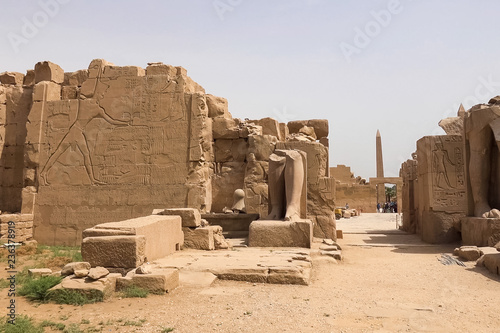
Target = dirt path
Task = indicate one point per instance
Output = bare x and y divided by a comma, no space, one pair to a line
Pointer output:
388,282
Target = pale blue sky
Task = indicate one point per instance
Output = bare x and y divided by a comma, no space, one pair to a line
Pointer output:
284,59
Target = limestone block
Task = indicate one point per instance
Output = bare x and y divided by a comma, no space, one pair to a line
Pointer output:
190,217
46,91
325,227
81,273
12,78
480,231
452,125
284,131
334,254
37,272
320,126
469,253
230,150
114,72
163,233
158,68
217,107
224,128
3,95
115,251
101,288
74,266
231,222
492,262
262,146
76,79
97,272
439,227
201,238
270,126
29,79
48,71
317,157
247,129
271,233
69,92
289,275
159,281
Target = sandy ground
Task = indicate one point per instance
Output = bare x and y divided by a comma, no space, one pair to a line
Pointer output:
389,281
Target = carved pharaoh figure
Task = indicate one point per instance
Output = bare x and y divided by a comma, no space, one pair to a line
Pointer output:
286,181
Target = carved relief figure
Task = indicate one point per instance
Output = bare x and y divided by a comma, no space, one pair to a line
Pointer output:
286,179
76,137
439,158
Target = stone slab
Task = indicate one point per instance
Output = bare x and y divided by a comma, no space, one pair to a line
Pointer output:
114,251
201,238
190,217
480,231
231,222
270,233
159,281
103,287
163,233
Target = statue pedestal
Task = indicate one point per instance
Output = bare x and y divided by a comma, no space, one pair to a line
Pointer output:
273,233
480,231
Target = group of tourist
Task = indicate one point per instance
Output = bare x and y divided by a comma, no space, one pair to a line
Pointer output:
388,207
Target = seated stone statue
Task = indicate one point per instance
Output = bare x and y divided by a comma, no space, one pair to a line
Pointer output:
286,181
482,129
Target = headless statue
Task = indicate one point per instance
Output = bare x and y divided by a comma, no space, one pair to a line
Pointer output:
482,126
286,179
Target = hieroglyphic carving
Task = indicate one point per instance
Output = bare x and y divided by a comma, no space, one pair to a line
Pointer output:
448,174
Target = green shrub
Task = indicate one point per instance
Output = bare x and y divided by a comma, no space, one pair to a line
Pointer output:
73,328
38,289
48,323
23,324
134,291
73,297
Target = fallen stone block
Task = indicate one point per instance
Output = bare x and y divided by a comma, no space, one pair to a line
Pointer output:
38,272
201,238
115,251
190,217
269,233
196,279
250,274
163,233
492,262
469,253
97,272
81,273
70,268
159,281
334,254
99,289
289,275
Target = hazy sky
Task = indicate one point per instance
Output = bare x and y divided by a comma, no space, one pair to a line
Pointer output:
397,66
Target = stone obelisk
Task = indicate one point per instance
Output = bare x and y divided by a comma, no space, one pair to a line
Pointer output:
380,170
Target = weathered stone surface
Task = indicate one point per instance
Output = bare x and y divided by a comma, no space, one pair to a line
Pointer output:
46,91
270,126
37,272
224,128
143,270
289,275
230,150
320,126
190,217
101,288
469,253
81,273
12,78
74,266
159,281
480,231
262,146
163,233
48,71
333,247
201,238
492,262
96,273
272,233
452,125
231,222
219,240
29,79
334,254
217,107
114,251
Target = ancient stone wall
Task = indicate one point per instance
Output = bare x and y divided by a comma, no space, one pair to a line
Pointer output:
362,197
442,192
110,143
